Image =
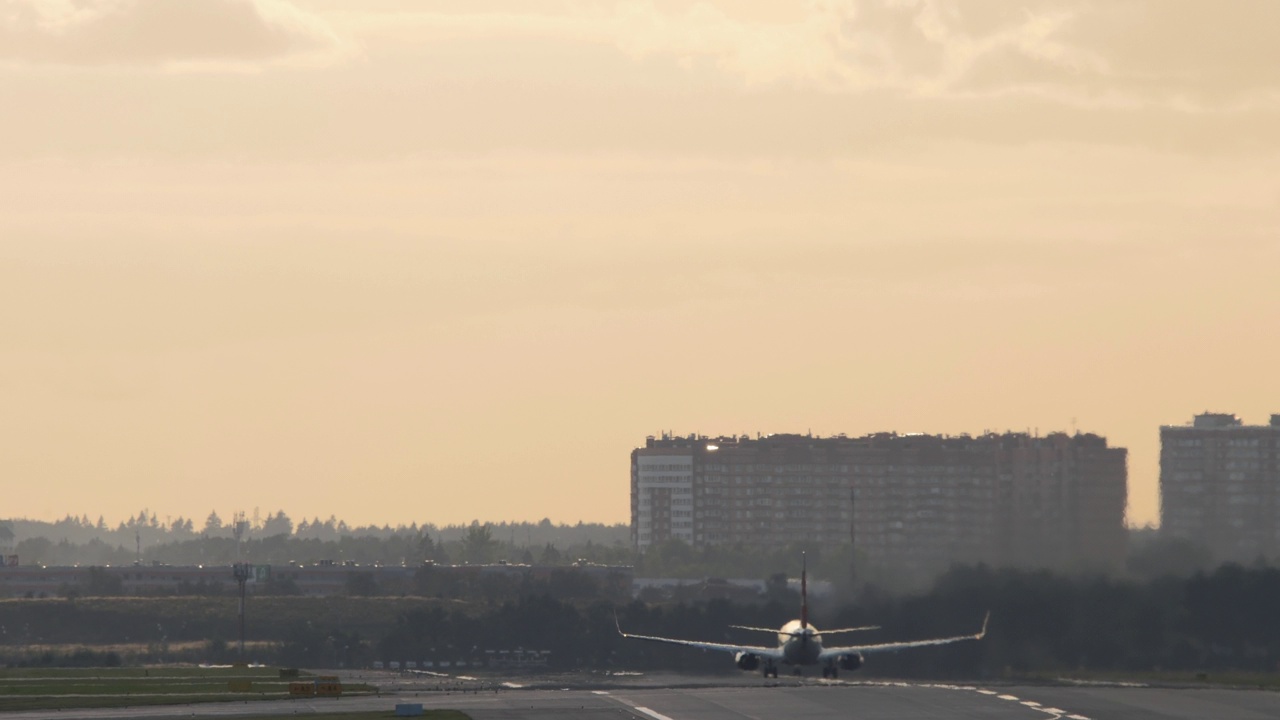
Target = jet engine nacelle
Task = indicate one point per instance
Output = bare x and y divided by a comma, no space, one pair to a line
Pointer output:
852,661
747,661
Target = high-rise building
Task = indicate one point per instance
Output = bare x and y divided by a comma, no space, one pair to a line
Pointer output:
909,501
706,491
1220,485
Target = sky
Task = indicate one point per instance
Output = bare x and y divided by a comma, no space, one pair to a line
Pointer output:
435,260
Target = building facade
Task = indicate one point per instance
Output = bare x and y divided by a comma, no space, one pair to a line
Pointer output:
1220,485
708,491
911,501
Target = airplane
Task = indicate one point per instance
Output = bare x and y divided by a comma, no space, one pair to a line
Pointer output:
800,644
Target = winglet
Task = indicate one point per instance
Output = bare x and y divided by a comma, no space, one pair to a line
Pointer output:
983,632
618,624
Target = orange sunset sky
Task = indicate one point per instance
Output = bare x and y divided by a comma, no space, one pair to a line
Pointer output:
435,260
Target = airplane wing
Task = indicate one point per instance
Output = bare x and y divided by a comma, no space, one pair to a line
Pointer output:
828,653
765,652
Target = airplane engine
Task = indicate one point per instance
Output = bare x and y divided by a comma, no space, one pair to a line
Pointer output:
747,661
851,662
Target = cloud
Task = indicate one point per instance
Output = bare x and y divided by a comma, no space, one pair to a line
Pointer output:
920,47
1182,53
1177,54
1207,53
163,33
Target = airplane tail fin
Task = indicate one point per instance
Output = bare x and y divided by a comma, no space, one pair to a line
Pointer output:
804,591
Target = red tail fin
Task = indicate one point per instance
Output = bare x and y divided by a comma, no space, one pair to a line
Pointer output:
804,591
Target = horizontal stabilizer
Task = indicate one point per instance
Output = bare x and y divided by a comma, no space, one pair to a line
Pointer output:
755,629
864,628
776,631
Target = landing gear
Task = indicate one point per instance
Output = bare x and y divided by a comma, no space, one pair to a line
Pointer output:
830,671
770,670
797,672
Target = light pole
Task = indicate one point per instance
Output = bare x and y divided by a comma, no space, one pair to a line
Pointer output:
242,572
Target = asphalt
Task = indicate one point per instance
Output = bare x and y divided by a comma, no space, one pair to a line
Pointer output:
672,697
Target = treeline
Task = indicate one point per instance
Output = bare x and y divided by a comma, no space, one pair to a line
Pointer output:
848,570
1041,622
149,528
72,542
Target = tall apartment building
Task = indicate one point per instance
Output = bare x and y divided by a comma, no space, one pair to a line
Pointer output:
1063,497
706,491
910,501
1220,485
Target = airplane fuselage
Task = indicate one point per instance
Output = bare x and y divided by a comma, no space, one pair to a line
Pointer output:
800,644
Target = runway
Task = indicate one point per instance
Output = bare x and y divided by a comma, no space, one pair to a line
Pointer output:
734,699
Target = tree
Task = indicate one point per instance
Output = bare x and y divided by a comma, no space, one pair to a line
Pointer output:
426,546
36,550
1157,557
550,555
6,533
278,524
478,545
213,524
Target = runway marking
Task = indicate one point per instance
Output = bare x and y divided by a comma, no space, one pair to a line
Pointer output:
1102,683
644,710
1053,713
651,713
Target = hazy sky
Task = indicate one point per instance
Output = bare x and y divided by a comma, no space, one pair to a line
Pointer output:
433,260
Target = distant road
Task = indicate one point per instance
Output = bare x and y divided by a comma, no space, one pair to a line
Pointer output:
720,698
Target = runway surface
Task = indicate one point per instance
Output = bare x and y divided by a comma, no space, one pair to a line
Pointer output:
721,698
